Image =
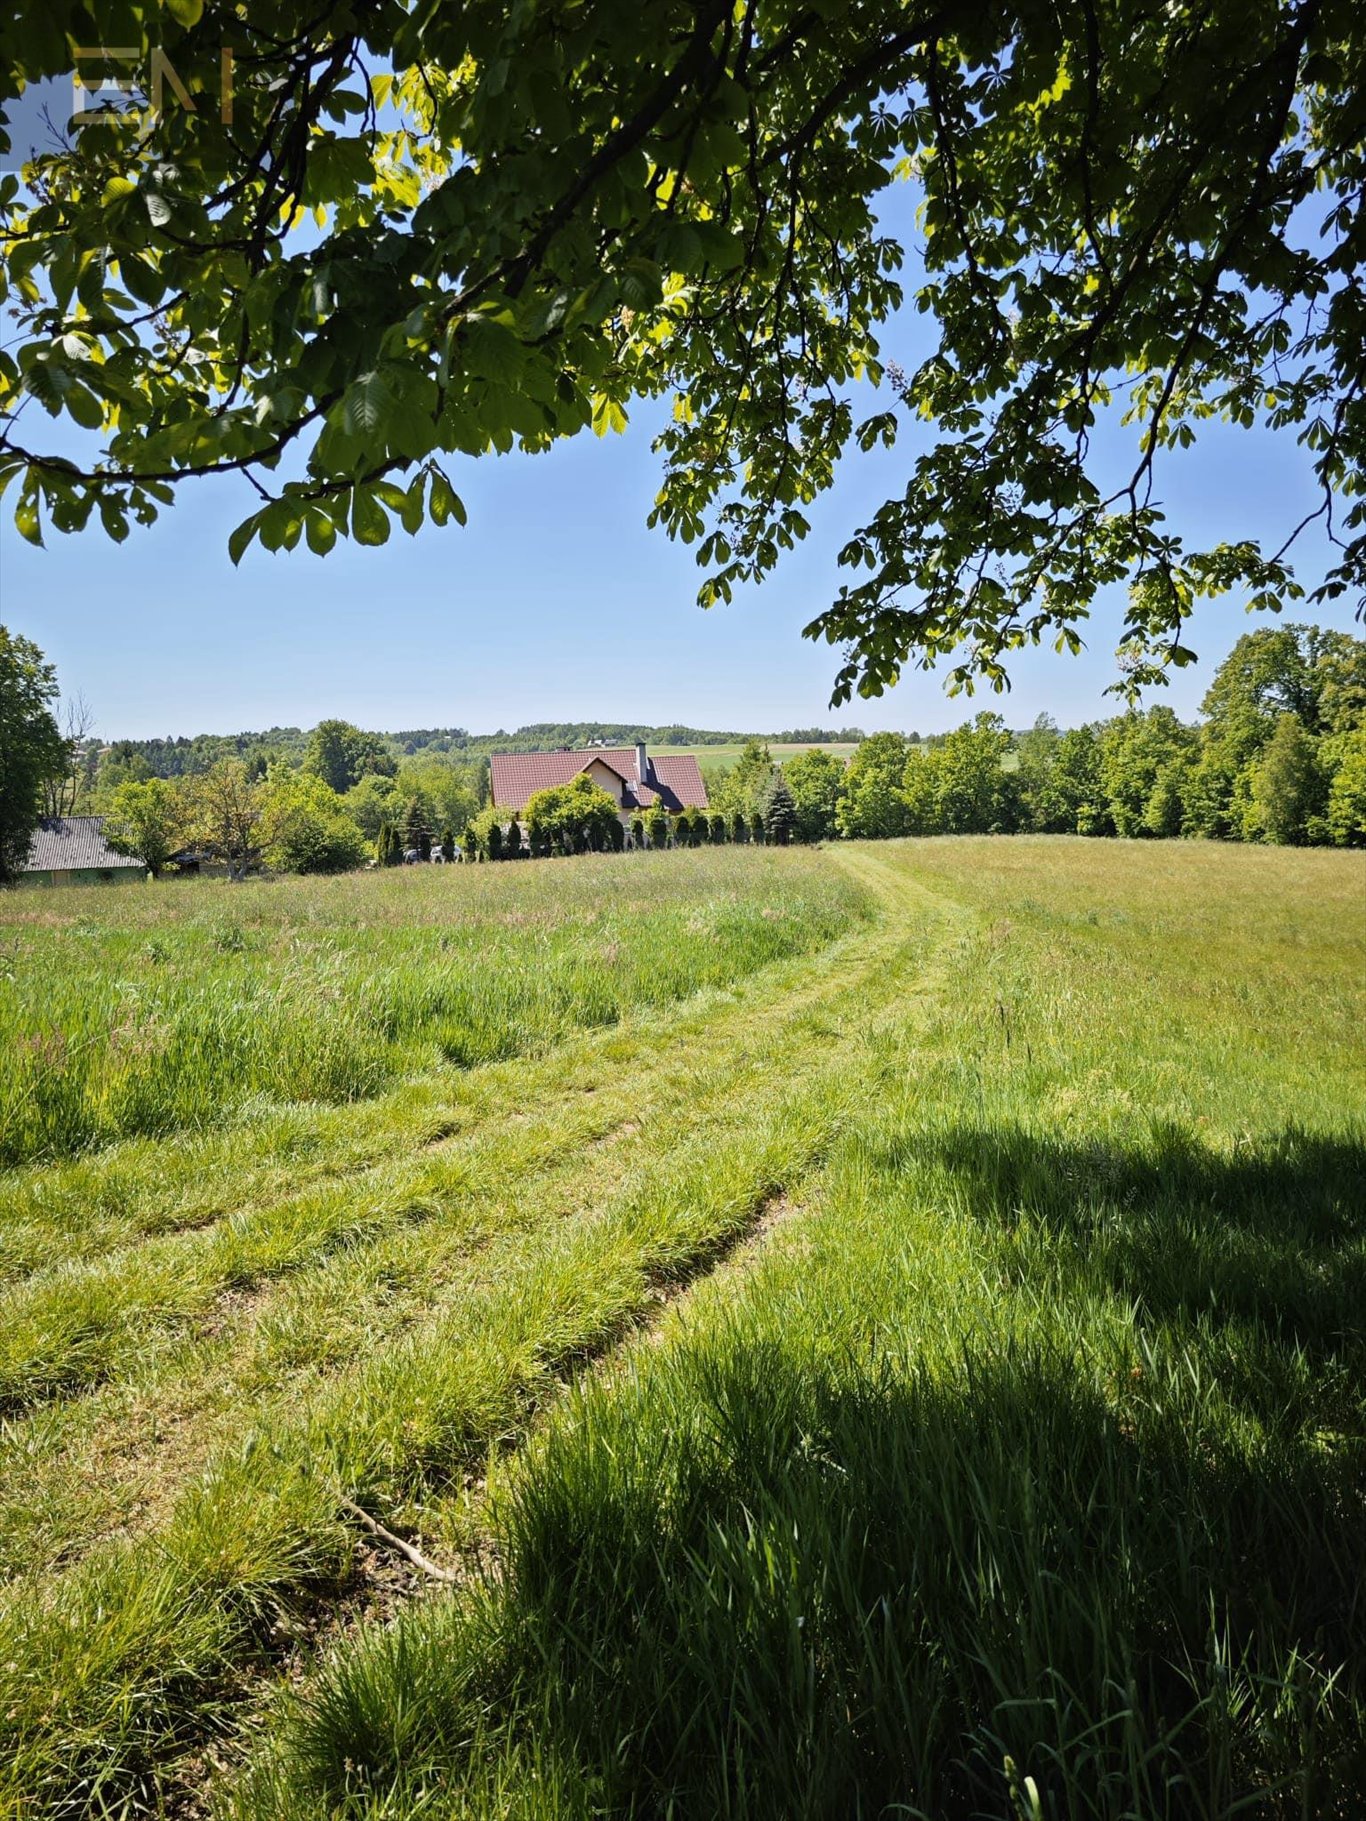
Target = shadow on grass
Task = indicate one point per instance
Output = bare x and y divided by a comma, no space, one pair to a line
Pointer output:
1273,1235
765,1581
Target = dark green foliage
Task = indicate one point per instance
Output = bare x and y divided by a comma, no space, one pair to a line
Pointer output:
512,841
716,824
657,826
756,827
341,755
417,835
616,836
1046,809
1187,157
495,840
1289,791
1135,751
1346,815
959,786
638,830
32,750
872,805
739,826
304,827
1164,814
815,779
448,843
780,813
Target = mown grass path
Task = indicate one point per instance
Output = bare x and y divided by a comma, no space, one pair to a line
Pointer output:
388,1324
1022,1473
1070,1125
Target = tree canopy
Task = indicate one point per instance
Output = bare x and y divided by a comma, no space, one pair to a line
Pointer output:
385,234
32,749
570,816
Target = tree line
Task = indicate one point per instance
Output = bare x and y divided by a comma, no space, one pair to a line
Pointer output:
1279,756
185,754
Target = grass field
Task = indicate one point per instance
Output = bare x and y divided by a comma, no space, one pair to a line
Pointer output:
909,1363
710,758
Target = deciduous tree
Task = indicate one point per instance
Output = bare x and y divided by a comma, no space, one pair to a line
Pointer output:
518,219
573,816
815,779
1346,813
149,820
32,749
1288,788
226,815
872,805
341,755
304,825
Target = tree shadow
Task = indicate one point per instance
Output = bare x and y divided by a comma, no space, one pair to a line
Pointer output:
772,1581
1273,1234
756,1586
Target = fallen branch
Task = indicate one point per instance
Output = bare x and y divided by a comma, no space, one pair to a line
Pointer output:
412,1554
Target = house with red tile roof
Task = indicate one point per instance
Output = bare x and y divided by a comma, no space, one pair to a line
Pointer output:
631,776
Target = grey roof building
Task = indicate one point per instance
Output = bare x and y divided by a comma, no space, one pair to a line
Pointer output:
72,850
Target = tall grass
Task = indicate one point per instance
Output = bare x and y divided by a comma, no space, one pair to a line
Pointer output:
1018,1472
1025,1475
169,1009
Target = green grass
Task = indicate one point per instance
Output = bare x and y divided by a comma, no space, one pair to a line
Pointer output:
169,1011
711,758
1019,1469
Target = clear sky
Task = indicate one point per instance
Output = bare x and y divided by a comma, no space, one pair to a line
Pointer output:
556,603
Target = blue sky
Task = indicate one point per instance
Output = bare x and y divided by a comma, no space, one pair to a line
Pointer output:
556,603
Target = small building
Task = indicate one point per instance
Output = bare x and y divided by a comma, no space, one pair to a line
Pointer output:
72,850
628,774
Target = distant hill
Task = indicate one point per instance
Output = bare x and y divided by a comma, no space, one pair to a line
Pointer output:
180,755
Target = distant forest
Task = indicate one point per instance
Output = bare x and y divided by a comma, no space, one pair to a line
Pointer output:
184,755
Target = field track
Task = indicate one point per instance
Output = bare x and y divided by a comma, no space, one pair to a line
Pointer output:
373,1302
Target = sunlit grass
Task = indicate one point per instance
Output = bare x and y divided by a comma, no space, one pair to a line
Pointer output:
1021,1463
1022,1476
168,1008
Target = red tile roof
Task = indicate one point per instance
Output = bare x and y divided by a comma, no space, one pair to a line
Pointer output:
673,778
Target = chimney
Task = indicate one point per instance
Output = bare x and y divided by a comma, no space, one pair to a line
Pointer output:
642,763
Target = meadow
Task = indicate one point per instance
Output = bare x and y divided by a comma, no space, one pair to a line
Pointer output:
903,1356
712,758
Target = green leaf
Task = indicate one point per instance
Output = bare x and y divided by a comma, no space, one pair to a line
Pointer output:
641,284
141,278
367,400
369,520
444,502
242,536
320,531
492,351
26,519
680,249
607,415
85,408
114,519
411,510
186,12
